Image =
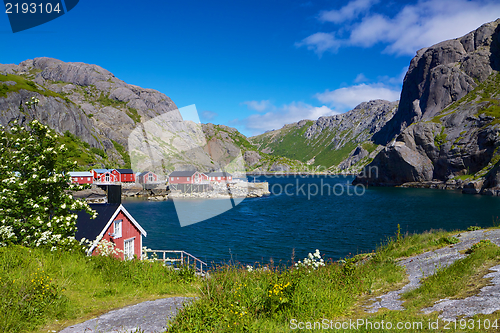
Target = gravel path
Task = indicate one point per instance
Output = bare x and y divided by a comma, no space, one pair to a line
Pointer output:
425,264
150,317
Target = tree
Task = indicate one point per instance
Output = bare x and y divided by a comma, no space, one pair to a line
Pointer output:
35,207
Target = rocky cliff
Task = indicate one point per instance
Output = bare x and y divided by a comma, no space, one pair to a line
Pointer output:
341,143
447,124
85,100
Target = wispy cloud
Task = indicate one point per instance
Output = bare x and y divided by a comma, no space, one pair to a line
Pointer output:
286,114
321,42
208,115
360,78
346,13
415,26
259,106
347,98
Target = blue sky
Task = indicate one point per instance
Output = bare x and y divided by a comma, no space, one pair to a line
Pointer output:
254,65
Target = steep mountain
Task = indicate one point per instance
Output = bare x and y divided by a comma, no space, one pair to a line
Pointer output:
448,121
341,143
96,110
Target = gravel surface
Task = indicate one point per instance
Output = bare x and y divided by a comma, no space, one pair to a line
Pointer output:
425,264
150,317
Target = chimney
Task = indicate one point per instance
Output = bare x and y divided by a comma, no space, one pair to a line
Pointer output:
113,193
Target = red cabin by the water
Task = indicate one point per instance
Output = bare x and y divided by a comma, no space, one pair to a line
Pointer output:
114,224
81,177
220,177
147,177
187,177
124,175
104,176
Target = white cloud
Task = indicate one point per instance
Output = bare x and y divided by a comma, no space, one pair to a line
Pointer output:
346,13
209,115
415,26
293,112
360,78
320,42
348,97
259,106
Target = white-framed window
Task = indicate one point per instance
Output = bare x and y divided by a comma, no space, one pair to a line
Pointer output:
151,177
189,178
171,178
106,177
218,178
88,178
118,228
128,249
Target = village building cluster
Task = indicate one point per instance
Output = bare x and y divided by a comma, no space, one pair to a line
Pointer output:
119,176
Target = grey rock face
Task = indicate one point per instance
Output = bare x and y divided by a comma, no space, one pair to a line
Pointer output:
251,157
461,140
98,107
442,74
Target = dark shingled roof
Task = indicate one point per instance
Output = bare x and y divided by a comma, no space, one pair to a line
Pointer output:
90,229
182,173
124,171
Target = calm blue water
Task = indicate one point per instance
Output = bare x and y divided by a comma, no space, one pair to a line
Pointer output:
271,227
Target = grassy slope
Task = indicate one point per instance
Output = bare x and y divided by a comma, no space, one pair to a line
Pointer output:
267,160
291,142
52,290
236,300
75,288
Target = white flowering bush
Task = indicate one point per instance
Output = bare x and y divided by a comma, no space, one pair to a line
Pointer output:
35,208
107,249
313,261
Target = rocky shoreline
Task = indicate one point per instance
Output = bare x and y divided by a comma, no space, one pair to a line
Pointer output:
161,192
466,187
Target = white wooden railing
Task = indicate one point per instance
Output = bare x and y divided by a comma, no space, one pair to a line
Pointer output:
179,258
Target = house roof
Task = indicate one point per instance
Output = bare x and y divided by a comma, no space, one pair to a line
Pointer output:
144,173
219,174
92,228
182,173
124,171
80,174
102,170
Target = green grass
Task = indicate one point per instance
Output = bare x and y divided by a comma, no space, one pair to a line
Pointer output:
104,100
237,300
22,83
369,146
292,143
124,153
75,287
78,150
234,299
132,113
440,139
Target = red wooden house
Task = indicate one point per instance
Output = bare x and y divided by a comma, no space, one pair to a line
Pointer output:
124,175
147,177
220,177
81,177
187,177
104,176
114,224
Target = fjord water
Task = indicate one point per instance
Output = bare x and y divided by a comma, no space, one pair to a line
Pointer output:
338,224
